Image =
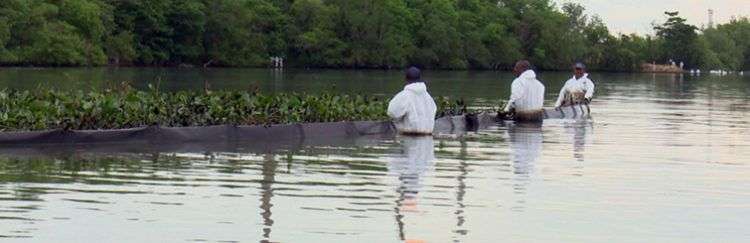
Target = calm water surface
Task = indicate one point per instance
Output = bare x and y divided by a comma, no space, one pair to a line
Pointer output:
665,158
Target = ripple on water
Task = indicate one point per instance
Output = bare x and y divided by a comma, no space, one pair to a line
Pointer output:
653,163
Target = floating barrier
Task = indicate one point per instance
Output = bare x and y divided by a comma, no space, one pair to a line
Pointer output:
219,133
577,111
248,138
474,122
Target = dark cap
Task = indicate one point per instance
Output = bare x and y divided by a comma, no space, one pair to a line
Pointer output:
579,65
413,74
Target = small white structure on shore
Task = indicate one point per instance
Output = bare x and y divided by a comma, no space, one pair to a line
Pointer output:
277,62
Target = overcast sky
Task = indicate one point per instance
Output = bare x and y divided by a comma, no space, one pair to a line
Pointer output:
636,16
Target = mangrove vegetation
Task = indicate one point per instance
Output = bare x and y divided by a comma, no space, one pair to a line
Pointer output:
441,34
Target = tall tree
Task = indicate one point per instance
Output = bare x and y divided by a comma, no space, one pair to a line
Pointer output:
148,21
377,32
739,31
487,41
680,40
726,54
187,20
314,42
436,34
242,33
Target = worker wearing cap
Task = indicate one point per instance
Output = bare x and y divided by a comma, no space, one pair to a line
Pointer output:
578,89
413,109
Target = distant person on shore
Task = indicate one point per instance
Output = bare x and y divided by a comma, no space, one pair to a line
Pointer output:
578,89
413,109
527,94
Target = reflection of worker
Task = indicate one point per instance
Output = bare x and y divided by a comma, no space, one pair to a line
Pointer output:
579,130
578,89
526,146
527,94
417,158
413,109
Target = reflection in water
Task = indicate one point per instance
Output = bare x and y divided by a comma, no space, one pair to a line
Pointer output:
461,191
417,158
579,129
662,147
266,194
526,145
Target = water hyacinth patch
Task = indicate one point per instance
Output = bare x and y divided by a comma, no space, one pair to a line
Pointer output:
125,108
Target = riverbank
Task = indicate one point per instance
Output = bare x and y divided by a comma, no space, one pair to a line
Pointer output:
660,68
189,66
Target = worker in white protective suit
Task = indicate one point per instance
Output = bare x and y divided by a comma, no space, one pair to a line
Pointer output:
578,89
413,109
527,94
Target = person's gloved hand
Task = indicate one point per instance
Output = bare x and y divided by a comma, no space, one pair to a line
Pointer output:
587,100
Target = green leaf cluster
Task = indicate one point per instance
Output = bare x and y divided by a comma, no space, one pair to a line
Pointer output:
438,34
126,108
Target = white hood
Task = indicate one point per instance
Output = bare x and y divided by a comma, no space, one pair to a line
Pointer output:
417,88
413,109
527,93
528,74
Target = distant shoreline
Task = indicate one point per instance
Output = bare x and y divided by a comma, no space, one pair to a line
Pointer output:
645,68
661,68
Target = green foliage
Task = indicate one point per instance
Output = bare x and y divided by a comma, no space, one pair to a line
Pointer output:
148,21
377,32
680,40
441,34
124,107
437,35
64,33
188,21
314,40
728,45
243,33
722,50
120,48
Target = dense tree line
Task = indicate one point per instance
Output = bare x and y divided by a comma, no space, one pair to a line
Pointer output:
445,34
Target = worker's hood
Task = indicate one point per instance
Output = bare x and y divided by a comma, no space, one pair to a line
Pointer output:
528,74
417,88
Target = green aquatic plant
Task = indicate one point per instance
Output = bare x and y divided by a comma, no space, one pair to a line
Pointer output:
124,107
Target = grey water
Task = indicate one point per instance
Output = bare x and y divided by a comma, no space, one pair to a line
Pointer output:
664,158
